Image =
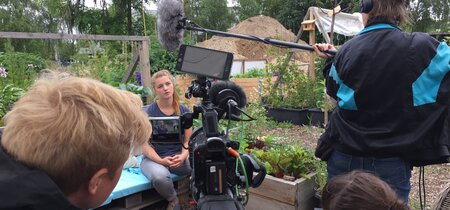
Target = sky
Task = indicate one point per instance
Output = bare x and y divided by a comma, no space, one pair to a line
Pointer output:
148,6
90,3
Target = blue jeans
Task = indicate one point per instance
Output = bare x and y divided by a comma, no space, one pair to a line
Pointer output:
395,171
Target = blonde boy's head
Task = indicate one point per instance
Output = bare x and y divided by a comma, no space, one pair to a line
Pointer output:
72,127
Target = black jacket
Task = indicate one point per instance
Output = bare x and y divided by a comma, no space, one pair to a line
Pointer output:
393,93
28,189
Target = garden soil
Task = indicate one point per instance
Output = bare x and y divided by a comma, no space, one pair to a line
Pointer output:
262,27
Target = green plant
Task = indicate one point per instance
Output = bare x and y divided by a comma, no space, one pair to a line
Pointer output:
22,69
17,72
252,73
270,159
249,132
321,174
8,95
141,91
288,160
293,88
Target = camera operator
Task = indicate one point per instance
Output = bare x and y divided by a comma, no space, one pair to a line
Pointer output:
162,159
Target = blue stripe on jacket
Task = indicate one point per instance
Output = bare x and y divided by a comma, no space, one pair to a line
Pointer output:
376,26
345,94
426,87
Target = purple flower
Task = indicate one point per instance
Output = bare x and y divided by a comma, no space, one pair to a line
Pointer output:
3,72
138,78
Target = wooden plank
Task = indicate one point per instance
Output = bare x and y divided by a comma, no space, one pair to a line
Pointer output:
133,200
149,197
258,202
144,63
29,35
305,193
308,22
132,66
277,189
320,25
336,10
312,55
299,193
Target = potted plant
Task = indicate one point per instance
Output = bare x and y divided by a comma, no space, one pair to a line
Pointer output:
294,97
290,183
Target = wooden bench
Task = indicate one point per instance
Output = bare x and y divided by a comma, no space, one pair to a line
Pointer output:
134,191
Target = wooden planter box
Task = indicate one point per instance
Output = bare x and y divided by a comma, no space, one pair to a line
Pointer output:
279,194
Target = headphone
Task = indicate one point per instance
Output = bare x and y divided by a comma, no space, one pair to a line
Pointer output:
366,6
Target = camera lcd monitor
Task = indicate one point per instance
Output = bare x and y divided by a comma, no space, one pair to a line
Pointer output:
204,62
166,130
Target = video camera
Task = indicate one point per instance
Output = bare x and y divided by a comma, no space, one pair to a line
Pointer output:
221,176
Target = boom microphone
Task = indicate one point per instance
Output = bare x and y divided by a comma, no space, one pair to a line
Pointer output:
228,97
171,23
169,14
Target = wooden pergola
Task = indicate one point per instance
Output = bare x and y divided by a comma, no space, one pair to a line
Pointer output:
141,55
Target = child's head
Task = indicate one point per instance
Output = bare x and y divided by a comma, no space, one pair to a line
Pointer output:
74,129
360,190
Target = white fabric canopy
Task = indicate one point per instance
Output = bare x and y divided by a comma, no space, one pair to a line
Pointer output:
344,23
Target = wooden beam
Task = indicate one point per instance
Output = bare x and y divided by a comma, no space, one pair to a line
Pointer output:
27,35
132,66
325,35
144,62
312,55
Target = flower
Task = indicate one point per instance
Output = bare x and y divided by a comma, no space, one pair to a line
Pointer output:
3,72
138,78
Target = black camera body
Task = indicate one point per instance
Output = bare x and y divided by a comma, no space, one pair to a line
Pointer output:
214,176
219,171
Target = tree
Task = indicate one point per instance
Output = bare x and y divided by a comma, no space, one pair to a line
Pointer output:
249,8
29,16
210,14
430,15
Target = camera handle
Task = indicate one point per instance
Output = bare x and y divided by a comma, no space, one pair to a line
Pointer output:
210,121
252,166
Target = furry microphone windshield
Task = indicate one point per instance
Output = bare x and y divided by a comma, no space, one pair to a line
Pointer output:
170,32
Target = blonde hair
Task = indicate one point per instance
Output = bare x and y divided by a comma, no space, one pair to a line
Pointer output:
72,127
392,10
176,98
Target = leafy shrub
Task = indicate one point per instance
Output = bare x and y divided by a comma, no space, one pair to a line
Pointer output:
141,91
22,68
252,73
281,160
19,70
8,95
295,89
248,132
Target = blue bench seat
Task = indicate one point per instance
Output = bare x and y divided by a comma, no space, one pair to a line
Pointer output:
132,181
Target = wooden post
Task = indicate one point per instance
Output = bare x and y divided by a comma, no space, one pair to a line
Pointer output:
314,10
144,63
312,57
133,63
